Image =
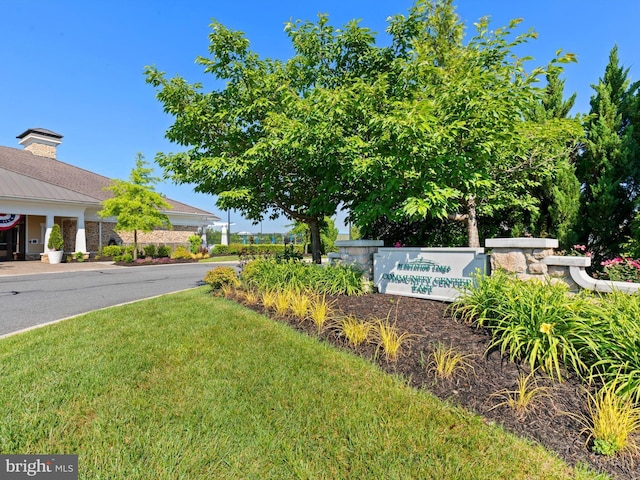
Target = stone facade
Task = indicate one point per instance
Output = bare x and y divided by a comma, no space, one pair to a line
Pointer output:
42,150
356,252
522,256
178,235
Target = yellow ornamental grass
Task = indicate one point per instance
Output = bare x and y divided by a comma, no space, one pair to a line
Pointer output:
268,299
389,340
282,302
320,312
445,361
526,395
613,422
355,331
300,304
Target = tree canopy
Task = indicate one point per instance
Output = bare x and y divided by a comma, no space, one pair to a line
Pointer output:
609,168
428,127
135,203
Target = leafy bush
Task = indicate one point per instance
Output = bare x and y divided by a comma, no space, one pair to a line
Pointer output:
56,242
622,269
268,273
532,321
253,250
194,243
181,253
164,251
112,250
125,257
221,250
150,250
221,276
289,253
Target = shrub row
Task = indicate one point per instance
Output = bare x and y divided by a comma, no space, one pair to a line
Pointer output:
255,250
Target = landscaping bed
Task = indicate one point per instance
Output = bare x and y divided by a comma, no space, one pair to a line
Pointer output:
429,323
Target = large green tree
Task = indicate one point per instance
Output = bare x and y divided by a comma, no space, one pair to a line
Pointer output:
457,142
609,168
558,192
135,204
276,138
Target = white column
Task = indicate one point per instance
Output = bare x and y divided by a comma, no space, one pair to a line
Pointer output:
47,233
224,240
81,237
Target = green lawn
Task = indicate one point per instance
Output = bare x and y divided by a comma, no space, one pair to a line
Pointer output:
221,258
188,386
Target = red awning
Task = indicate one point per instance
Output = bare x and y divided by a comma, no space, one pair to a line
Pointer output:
8,220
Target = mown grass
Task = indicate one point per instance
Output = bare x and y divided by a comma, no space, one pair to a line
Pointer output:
189,386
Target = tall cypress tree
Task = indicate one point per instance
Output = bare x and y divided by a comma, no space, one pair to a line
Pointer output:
559,191
609,168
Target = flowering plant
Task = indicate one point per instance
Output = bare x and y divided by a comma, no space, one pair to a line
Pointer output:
622,269
579,251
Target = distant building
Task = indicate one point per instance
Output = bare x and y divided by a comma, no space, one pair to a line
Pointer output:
37,190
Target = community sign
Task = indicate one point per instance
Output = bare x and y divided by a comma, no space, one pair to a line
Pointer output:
432,273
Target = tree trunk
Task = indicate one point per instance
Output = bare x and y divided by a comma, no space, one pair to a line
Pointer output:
135,245
314,229
472,223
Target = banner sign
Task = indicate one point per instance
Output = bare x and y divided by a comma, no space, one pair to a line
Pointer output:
432,273
8,220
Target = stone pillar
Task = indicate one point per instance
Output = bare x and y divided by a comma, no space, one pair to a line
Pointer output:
523,257
356,252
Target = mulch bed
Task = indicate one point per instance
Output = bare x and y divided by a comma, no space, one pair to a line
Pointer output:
430,323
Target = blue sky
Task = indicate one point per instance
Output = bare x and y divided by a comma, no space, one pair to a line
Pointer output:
76,67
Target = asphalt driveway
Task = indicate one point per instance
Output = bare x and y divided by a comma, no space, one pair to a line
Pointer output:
46,294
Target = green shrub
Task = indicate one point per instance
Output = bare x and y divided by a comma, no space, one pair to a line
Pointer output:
150,250
222,276
79,256
181,253
164,251
268,273
112,250
56,242
194,243
532,321
125,257
253,250
622,269
221,250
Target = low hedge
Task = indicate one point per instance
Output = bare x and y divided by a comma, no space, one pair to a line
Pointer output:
260,249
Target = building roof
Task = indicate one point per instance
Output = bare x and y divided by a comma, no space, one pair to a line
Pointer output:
25,175
41,131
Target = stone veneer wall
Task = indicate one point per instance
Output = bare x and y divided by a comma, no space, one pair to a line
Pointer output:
533,258
178,235
356,252
41,149
522,256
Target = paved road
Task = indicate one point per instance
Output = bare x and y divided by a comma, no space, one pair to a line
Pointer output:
30,300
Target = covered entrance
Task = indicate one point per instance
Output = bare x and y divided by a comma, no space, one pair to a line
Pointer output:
12,246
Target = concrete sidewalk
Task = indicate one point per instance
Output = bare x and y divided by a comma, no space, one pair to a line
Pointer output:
35,267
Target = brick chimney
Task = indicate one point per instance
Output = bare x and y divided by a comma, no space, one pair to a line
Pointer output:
40,142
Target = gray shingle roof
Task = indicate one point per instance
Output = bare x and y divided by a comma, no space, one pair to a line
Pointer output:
25,175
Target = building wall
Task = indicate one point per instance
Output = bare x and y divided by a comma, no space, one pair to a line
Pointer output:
178,235
35,232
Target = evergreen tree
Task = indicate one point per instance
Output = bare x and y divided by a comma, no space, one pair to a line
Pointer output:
609,168
559,190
